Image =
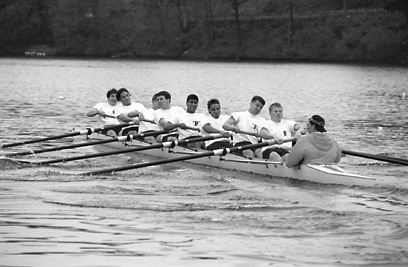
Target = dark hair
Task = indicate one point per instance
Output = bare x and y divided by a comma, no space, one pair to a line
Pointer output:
258,98
154,97
276,104
192,97
119,92
110,92
165,94
213,101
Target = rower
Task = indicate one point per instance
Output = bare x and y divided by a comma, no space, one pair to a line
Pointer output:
106,112
316,147
213,124
188,123
248,121
278,128
128,110
164,113
146,123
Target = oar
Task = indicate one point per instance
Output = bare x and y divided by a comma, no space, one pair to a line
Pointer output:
218,152
247,133
376,157
88,131
91,143
192,128
135,149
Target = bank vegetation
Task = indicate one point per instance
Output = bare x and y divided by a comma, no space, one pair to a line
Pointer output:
287,30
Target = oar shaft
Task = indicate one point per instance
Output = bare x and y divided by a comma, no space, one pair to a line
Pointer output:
154,163
247,133
135,149
90,143
41,139
193,128
258,145
96,155
83,132
189,157
376,157
39,151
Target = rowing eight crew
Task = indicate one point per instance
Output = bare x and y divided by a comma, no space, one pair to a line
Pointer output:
247,127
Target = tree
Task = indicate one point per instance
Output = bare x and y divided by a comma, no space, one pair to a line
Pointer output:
397,5
235,6
24,23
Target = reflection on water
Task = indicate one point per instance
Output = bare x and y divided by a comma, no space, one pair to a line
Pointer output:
185,215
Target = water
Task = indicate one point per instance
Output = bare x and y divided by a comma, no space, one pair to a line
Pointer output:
186,215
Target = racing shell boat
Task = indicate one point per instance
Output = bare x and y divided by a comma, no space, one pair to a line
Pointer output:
326,174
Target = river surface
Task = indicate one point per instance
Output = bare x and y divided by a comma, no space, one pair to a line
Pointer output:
187,215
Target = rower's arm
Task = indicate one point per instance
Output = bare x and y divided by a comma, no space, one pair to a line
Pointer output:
266,134
170,126
123,117
229,125
209,129
133,114
92,112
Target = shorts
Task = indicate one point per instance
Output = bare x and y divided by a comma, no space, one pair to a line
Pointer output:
267,152
219,145
116,130
165,137
128,129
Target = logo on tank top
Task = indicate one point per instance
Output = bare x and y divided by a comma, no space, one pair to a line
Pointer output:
196,123
284,133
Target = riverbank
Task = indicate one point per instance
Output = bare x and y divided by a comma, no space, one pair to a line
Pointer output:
380,38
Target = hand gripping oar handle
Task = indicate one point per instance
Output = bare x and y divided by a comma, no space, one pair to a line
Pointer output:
90,143
218,152
376,157
88,131
135,149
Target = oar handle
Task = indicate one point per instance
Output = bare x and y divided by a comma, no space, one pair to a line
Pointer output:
110,116
149,121
192,128
246,133
258,145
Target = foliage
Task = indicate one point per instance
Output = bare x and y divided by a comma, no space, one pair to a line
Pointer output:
227,29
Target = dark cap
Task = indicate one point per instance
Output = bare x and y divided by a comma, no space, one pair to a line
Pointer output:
318,122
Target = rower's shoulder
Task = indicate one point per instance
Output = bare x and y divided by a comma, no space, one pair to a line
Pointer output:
177,109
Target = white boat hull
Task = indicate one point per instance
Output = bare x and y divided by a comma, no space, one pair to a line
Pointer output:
326,174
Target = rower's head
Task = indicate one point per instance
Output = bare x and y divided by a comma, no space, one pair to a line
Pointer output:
123,96
214,108
111,96
315,124
276,112
155,103
256,105
192,103
163,99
